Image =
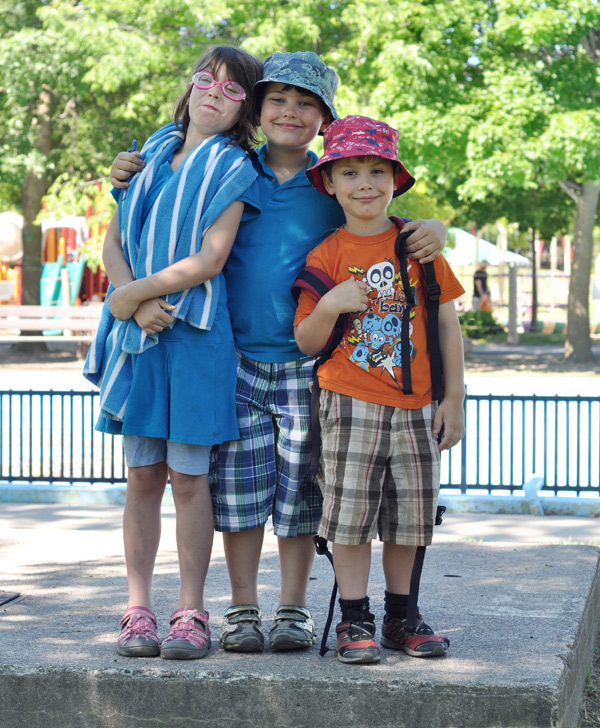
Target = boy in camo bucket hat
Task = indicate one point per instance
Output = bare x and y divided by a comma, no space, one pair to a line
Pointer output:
304,70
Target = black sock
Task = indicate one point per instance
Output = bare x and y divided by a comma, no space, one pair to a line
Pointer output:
356,610
396,605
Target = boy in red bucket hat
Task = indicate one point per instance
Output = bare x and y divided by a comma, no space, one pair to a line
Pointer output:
382,433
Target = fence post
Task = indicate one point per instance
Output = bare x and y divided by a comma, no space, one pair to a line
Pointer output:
513,334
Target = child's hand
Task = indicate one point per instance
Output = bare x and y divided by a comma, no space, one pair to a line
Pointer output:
122,303
347,297
125,165
427,240
450,421
152,316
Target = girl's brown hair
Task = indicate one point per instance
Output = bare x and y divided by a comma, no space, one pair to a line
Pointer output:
241,67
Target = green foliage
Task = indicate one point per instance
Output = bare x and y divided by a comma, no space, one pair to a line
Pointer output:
421,203
112,71
496,100
481,325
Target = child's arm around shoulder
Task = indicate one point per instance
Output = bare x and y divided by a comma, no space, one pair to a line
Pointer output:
313,332
450,414
427,240
124,166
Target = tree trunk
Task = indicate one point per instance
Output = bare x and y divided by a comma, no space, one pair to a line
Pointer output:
578,344
35,186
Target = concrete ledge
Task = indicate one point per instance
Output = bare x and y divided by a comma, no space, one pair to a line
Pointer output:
100,700
521,619
87,494
80,494
513,504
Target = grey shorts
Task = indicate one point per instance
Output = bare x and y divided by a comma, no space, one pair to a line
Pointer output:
380,472
180,457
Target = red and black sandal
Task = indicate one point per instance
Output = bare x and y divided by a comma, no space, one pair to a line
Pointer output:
422,642
355,643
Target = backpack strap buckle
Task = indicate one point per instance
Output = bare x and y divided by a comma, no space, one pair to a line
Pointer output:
434,291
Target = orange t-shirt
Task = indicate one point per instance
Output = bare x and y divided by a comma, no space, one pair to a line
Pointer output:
366,364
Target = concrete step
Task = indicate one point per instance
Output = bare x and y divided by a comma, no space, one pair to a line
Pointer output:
520,606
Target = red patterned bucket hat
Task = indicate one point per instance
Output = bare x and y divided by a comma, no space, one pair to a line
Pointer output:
359,136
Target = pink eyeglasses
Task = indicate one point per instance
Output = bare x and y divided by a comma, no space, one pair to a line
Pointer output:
231,89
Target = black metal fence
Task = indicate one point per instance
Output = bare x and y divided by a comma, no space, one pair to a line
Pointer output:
49,437
511,438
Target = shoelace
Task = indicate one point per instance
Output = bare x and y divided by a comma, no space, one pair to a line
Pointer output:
138,626
185,629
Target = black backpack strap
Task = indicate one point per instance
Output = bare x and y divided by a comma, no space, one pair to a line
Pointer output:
432,306
399,249
412,614
314,280
318,283
321,546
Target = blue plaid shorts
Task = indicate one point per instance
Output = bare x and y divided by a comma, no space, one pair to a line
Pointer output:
263,473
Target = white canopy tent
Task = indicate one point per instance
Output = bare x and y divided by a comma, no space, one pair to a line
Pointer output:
469,250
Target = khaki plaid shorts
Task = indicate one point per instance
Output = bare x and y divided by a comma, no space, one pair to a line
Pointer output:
380,472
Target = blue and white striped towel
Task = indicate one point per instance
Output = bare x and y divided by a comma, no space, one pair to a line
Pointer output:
211,177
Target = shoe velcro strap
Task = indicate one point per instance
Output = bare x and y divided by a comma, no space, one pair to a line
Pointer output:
296,614
243,613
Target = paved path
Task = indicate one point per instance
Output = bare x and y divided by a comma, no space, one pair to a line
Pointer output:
518,596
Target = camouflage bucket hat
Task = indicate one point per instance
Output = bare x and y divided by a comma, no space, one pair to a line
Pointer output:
303,69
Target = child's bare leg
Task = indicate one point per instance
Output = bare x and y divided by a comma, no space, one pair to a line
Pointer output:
242,554
352,566
194,531
242,628
296,556
397,563
141,529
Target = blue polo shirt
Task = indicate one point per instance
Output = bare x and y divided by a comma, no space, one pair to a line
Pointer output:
269,252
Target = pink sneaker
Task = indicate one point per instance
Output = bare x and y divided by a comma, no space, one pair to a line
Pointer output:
189,636
138,636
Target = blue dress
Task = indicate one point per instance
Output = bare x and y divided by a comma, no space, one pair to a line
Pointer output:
183,388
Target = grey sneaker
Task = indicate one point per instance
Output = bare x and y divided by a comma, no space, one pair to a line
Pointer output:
293,629
242,629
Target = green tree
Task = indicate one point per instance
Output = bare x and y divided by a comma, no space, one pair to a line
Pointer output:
535,122
79,81
494,100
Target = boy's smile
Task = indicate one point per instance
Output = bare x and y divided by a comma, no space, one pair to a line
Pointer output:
364,187
290,118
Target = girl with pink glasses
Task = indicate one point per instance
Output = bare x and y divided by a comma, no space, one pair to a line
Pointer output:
164,357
